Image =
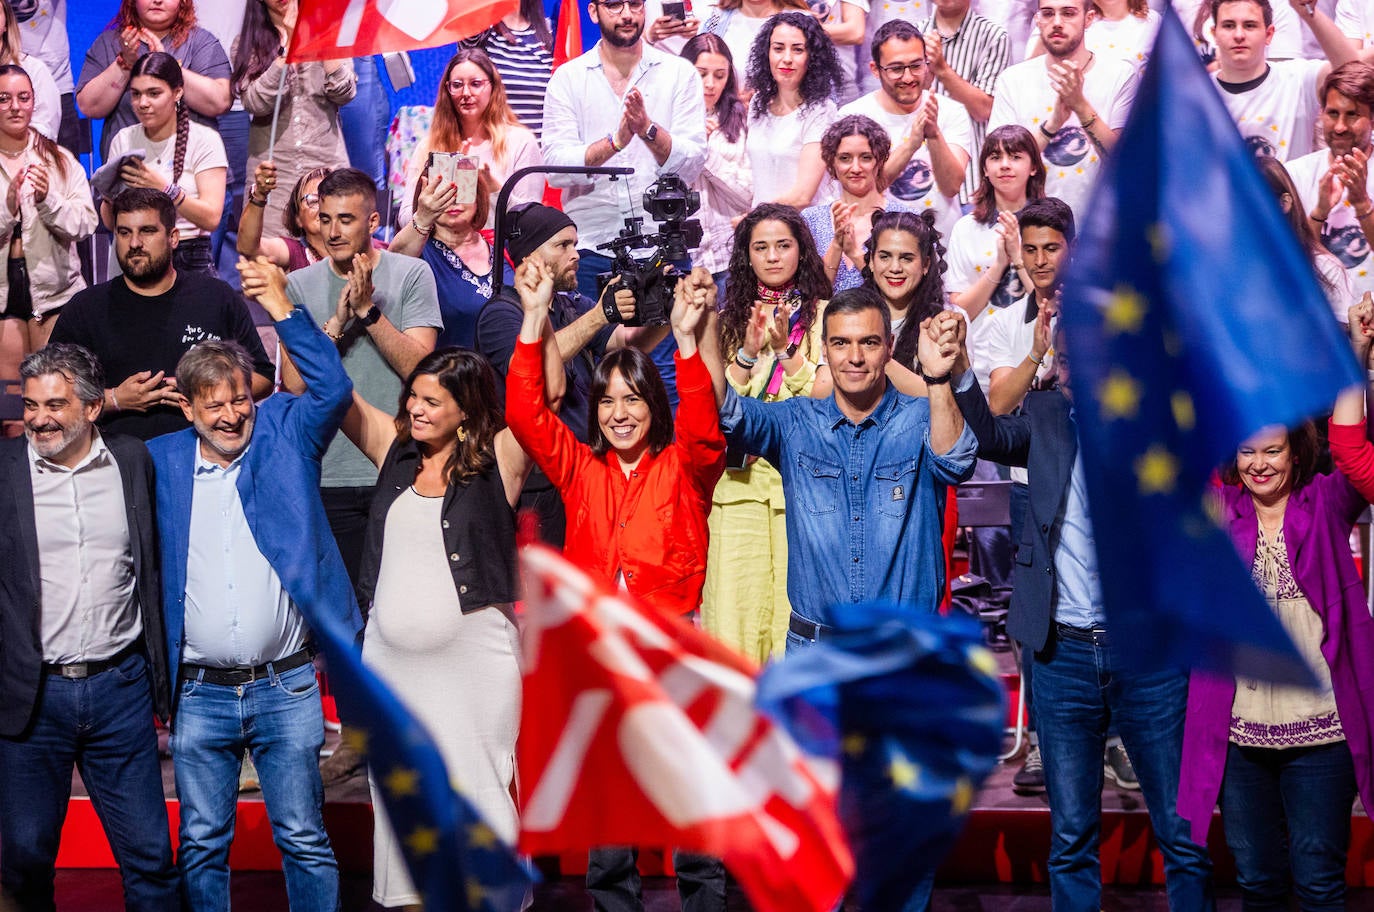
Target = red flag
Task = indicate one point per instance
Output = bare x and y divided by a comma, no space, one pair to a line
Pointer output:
326,29
567,44
639,729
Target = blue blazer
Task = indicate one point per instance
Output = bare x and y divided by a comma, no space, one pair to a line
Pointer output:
279,486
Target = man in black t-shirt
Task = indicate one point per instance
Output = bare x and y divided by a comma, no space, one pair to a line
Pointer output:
139,324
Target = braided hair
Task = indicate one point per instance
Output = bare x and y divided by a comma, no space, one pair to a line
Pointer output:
928,297
163,66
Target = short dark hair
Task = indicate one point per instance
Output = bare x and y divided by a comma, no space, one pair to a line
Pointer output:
879,141
72,361
468,377
643,377
1266,11
1305,445
144,199
894,30
347,182
1353,79
210,363
853,301
1048,212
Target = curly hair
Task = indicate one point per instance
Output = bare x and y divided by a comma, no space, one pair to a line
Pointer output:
446,132
822,77
1006,139
127,17
467,377
928,297
879,142
742,289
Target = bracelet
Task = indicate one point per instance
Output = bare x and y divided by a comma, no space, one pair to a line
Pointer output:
1038,362
114,400
1087,125
422,232
1365,214
254,201
335,337
935,381
1046,131
610,138
1321,220
745,361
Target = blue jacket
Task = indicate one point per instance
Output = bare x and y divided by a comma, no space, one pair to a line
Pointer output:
279,486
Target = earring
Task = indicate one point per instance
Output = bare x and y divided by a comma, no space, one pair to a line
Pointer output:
462,434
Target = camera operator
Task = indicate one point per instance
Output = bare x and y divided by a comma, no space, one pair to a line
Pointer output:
585,330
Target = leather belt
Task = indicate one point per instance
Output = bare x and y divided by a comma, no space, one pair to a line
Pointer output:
77,671
234,677
808,630
1095,635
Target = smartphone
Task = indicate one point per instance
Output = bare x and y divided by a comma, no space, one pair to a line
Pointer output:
459,168
675,9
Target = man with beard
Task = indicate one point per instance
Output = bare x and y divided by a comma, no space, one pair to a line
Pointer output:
139,324
248,554
1335,182
1072,101
931,138
81,622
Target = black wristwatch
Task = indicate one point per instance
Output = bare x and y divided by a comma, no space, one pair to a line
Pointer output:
935,381
650,134
371,317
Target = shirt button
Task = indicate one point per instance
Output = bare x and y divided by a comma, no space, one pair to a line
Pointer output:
854,477
446,524
856,560
453,557
462,590
856,519
630,575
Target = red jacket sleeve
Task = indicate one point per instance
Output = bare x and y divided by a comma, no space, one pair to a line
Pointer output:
543,435
1353,455
697,427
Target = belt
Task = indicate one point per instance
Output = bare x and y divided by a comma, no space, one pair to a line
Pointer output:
808,630
1095,635
78,670
233,677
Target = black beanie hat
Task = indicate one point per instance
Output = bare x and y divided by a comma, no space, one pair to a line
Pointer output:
529,226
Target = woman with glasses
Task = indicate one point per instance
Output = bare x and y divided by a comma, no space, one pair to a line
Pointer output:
302,243
47,99
794,72
308,132
472,116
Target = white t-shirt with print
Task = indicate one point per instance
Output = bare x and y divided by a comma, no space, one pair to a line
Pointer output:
1024,96
775,146
1129,39
204,150
1010,338
1278,117
880,12
851,56
971,250
916,185
1341,235
1355,19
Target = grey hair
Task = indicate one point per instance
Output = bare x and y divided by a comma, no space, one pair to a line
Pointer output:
74,362
211,363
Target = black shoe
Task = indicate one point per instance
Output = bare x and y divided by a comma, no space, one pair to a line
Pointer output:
1117,767
1031,776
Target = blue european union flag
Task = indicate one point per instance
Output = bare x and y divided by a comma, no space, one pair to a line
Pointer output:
1193,318
456,861
913,711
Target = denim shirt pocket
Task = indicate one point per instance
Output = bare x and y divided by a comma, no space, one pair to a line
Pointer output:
895,487
818,483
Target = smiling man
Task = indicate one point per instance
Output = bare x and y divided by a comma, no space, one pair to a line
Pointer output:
245,543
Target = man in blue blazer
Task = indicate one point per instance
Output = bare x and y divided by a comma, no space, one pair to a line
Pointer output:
249,565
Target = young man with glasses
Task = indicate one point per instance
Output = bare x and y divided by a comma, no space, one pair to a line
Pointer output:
1072,101
930,137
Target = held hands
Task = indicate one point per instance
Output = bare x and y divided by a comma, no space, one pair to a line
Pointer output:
940,344
266,283
694,298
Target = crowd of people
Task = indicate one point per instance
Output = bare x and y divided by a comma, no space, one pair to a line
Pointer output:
888,196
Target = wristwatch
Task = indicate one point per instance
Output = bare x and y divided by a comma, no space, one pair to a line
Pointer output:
650,134
370,318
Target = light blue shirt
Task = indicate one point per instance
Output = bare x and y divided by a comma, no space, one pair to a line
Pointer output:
1078,596
237,613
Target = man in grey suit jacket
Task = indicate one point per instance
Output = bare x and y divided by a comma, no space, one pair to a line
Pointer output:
83,665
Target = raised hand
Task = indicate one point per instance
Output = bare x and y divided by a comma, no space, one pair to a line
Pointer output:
266,283
360,285
264,178
534,285
692,297
436,197
756,332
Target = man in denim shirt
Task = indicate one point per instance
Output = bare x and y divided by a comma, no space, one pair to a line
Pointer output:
864,470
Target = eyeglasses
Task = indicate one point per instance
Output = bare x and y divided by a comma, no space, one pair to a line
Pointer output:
898,70
456,86
616,7
311,201
1050,13
23,98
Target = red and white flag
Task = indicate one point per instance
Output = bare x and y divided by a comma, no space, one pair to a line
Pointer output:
639,729
328,29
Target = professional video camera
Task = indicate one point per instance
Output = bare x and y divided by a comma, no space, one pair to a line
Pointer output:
669,202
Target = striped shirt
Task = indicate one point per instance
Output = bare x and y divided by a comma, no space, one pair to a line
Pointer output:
978,53
524,67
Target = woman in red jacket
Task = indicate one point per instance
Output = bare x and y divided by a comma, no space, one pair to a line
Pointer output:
638,496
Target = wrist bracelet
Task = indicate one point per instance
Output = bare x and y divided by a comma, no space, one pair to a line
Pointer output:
114,401
254,201
615,146
423,232
333,336
1314,218
1046,131
1365,214
1038,362
744,360
935,381
1087,124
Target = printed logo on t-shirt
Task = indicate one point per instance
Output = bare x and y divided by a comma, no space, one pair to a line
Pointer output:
24,10
1261,147
195,334
915,183
1069,147
1346,244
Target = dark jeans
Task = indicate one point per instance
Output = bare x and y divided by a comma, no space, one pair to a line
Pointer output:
1079,690
347,510
193,255
1287,817
613,880
104,726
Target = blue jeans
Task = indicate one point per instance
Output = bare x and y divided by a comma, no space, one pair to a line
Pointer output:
1287,817
278,719
233,129
1078,691
104,726
365,121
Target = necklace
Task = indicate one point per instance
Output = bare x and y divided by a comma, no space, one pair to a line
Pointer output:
8,154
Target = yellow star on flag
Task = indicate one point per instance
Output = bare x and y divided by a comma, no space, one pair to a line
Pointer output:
1125,312
401,782
903,772
1182,405
1156,470
1120,395
476,895
482,836
355,738
423,840
854,744
962,799
982,660
1160,242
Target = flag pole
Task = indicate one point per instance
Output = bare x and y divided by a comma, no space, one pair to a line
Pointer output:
276,114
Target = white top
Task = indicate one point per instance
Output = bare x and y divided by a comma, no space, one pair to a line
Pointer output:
415,567
738,31
50,229
775,147
581,109
1278,116
47,99
1024,96
971,250
1129,38
85,559
204,150
852,57
880,13
43,33
1341,235
916,185
1010,338
1355,19
522,151
724,185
